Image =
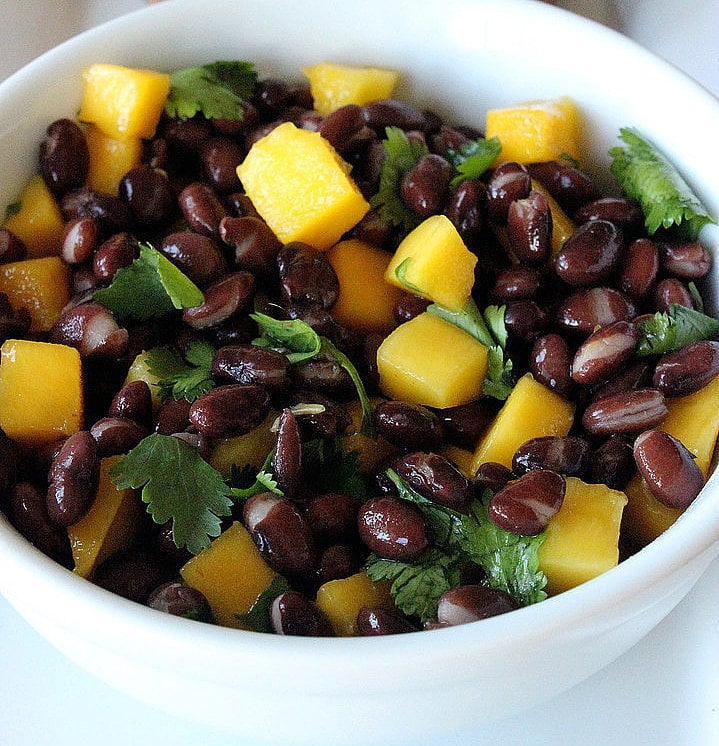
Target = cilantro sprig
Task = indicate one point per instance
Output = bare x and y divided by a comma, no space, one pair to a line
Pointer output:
402,154
151,286
673,329
510,561
473,158
488,328
216,90
178,485
647,175
300,342
181,376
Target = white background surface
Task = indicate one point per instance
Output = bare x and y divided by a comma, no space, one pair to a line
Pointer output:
663,691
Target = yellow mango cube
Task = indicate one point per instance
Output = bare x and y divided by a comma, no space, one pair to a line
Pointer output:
693,420
41,286
434,263
429,361
531,411
536,131
333,86
111,524
40,391
37,221
582,538
301,187
365,302
123,102
110,159
341,600
231,574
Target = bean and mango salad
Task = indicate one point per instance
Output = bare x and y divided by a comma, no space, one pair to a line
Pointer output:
302,358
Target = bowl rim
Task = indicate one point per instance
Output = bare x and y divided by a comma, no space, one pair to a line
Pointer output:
694,535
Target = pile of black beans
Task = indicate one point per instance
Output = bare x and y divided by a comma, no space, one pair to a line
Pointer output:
571,322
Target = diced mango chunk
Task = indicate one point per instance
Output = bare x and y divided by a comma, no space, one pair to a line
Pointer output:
301,187
40,391
429,361
531,411
365,302
110,159
123,102
333,86
693,420
434,263
342,599
242,450
111,524
582,538
37,221
536,131
231,574
41,286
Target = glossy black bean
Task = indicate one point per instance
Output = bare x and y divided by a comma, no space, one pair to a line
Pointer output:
392,528
625,213
590,255
409,426
220,157
133,573
435,478
229,410
306,276
690,261
134,401
570,186
525,319
508,182
64,157
408,306
525,505
332,516
148,193
604,352
202,209
372,622
281,533
255,245
466,208
111,213
287,460
566,455
117,251
224,300
671,291
198,256
247,363
179,599
529,228
518,282
116,435
463,424
550,363
638,271
73,479
424,186
471,603
291,613
332,421
688,369
91,329
586,309
491,476
394,113
625,412
79,240
612,462
323,374
173,417
12,249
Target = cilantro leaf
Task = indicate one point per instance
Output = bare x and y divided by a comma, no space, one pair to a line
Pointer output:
473,158
178,485
647,175
217,90
674,329
490,330
330,468
263,481
402,155
151,286
13,209
416,588
181,377
299,341
258,617
510,561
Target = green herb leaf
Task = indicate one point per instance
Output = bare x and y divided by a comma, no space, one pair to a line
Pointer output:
264,481
177,485
474,158
151,286
13,209
258,617
402,155
510,561
647,175
298,340
416,588
489,329
673,329
401,274
216,90
187,377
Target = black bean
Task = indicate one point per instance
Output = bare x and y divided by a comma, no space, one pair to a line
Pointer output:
435,478
409,426
567,184
133,573
690,261
229,410
224,299
625,213
376,621
625,412
509,182
198,256
550,363
470,603
247,363
604,352
639,268
148,193
306,276
524,506
64,157
116,435
392,528
220,157
466,209
73,479
202,209
179,599
134,401
293,614
287,460
424,186
688,369
591,254
117,251
566,455
256,246
91,329
529,228
12,249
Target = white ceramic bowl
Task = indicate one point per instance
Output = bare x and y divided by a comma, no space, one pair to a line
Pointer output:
459,57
